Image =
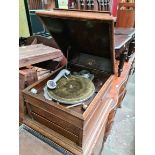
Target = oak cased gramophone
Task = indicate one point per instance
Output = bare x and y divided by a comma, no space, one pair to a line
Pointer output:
86,39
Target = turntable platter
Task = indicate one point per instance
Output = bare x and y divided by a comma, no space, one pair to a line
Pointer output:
73,90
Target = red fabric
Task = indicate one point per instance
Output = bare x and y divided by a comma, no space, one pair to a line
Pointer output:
114,7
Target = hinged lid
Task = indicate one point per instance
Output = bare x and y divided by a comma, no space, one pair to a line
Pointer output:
85,33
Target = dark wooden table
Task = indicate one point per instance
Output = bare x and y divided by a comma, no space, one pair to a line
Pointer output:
123,36
120,41
124,45
124,31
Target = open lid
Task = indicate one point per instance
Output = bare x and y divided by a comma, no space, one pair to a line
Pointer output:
76,32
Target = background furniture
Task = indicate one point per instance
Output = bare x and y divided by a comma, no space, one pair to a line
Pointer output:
36,60
35,26
126,15
41,4
93,5
124,45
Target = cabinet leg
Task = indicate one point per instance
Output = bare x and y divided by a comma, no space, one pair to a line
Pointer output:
121,63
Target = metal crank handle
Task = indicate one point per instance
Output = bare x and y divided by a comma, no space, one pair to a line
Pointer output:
53,83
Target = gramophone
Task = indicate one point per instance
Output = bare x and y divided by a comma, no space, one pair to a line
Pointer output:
86,40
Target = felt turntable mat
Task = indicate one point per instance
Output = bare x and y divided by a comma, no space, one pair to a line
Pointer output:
73,90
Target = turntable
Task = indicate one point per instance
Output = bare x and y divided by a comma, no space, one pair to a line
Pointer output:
71,90
55,109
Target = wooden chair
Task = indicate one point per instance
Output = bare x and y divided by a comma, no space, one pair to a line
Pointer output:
126,15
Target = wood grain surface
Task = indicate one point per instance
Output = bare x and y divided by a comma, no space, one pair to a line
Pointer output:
36,53
75,14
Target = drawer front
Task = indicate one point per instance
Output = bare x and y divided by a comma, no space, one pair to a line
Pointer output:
55,123
54,110
56,120
89,128
55,127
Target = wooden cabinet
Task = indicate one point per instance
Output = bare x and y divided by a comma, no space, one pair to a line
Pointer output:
88,45
126,15
75,126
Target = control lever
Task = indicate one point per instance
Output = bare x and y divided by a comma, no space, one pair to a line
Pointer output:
52,84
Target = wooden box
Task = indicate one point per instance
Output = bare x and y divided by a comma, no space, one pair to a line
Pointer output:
87,42
38,57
